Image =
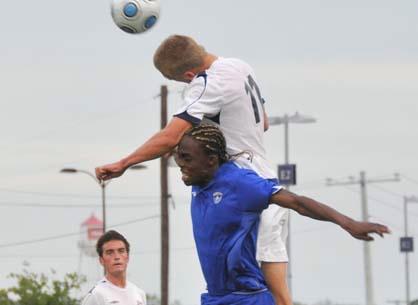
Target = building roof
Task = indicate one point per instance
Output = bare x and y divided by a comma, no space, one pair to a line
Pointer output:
92,221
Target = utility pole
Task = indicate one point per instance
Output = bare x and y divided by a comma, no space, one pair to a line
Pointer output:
365,217
287,187
164,207
407,244
287,173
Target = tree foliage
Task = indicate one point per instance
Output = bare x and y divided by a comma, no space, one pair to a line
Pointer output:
153,299
39,289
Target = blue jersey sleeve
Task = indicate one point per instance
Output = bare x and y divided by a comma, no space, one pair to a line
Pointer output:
254,192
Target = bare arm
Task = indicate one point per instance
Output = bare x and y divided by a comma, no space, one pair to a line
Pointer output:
316,210
266,119
159,144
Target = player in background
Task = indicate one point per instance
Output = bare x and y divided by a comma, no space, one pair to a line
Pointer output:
224,92
114,288
227,201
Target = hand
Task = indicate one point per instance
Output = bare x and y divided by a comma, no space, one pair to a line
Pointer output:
110,171
361,230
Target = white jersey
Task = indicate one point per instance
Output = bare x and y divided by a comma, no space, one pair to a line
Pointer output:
227,95
106,293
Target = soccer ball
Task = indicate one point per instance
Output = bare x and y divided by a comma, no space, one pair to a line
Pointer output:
135,16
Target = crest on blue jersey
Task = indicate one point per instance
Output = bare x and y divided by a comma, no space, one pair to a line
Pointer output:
217,197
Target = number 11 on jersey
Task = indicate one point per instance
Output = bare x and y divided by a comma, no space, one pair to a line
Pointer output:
249,89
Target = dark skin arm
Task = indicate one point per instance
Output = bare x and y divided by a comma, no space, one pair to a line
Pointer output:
316,210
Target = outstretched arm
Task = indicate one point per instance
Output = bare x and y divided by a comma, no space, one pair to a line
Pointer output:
316,210
158,145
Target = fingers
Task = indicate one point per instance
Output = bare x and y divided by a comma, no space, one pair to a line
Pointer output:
364,237
381,229
369,238
369,228
99,173
102,174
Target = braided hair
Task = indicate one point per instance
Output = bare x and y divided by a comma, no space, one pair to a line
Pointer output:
212,140
214,143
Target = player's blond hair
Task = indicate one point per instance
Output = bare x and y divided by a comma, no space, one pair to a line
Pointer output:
178,54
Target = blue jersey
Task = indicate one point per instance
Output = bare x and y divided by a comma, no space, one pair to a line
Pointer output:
225,215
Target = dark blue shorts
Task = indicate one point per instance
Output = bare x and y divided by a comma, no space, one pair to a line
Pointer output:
258,298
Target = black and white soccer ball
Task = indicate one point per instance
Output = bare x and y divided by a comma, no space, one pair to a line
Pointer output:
135,16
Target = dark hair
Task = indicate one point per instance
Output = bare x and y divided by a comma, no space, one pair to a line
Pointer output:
212,140
109,236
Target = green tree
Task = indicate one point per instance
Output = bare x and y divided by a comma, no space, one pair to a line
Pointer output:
39,289
153,299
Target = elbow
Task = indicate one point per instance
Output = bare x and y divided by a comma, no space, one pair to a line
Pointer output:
170,140
266,125
298,203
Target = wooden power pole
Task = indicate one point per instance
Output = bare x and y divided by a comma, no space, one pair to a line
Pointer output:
164,207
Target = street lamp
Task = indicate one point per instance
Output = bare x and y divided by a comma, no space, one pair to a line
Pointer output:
285,120
101,183
410,199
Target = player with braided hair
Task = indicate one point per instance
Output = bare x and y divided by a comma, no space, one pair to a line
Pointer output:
226,205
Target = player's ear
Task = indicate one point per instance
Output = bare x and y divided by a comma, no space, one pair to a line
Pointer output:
213,160
189,75
101,260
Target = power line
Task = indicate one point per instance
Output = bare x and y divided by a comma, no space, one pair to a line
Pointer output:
392,225
309,230
386,190
52,205
85,118
409,179
33,241
397,208
75,255
72,194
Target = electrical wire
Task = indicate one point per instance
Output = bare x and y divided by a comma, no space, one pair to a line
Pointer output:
72,195
33,241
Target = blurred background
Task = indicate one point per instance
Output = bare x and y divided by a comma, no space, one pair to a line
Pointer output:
77,92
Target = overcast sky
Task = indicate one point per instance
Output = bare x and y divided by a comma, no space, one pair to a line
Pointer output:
76,91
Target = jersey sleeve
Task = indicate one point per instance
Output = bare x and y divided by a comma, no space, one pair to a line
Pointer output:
202,99
254,192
